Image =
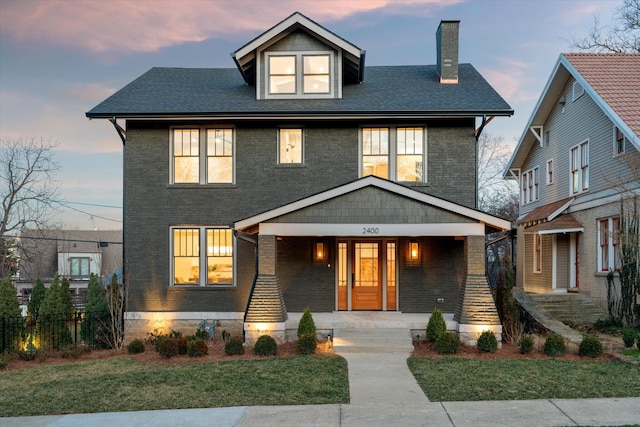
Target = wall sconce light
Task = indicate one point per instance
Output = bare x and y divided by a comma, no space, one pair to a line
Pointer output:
319,253
414,249
562,101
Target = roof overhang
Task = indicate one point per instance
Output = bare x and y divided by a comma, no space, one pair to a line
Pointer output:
560,225
483,219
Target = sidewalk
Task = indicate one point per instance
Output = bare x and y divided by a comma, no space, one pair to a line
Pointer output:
552,412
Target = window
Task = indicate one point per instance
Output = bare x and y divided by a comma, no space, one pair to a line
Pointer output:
203,156
537,253
530,183
550,171
547,138
394,153
619,142
290,146
580,168
609,244
79,267
578,91
191,266
299,74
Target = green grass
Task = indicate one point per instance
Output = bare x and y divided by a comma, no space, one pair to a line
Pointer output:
457,379
632,352
120,384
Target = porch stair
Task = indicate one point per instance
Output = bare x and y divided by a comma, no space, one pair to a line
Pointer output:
572,307
372,340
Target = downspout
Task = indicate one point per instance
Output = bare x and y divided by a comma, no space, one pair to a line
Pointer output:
247,238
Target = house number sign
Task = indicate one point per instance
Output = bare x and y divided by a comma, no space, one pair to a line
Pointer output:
370,230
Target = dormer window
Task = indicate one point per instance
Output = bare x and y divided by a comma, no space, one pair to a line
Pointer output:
292,75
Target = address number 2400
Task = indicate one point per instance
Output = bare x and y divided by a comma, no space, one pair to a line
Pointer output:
370,230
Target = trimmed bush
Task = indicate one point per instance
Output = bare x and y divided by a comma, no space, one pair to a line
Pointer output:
182,344
37,296
306,325
447,343
628,337
167,346
526,344
11,312
52,330
136,346
487,342
233,346
307,344
436,325
197,348
590,346
554,345
265,346
202,334
95,325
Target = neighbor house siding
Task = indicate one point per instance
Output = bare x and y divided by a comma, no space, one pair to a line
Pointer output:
542,281
562,249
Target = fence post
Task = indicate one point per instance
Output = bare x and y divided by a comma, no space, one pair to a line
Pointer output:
75,327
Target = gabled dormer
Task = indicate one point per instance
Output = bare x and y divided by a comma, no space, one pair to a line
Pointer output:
299,59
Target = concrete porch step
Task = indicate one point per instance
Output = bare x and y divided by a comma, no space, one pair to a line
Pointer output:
574,307
372,340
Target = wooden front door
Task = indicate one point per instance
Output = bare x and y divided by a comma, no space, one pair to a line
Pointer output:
366,287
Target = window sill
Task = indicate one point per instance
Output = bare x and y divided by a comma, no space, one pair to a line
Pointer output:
291,165
414,184
191,186
198,288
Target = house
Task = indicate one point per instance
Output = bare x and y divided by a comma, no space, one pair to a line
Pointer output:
73,254
302,178
577,157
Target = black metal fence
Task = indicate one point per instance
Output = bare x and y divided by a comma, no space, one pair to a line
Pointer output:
54,331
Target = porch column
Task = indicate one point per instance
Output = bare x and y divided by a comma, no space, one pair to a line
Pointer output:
266,312
476,310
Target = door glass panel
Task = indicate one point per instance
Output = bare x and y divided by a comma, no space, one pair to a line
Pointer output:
391,275
366,264
342,276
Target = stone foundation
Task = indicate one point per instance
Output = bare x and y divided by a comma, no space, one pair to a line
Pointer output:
254,330
468,334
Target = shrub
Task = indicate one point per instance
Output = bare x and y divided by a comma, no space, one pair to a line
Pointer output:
233,346
526,344
265,346
74,351
554,345
306,325
52,327
182,344
590,346
436,325
638,341
136,346
94,329
197,348
11,312
447,343
487,342
628,337
201,334
307,344
167,346
37,296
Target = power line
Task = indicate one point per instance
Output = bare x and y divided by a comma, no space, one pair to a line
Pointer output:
62,202
87,213
61,239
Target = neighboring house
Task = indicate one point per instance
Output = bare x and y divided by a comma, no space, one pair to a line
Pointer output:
577,157
303,179
73,254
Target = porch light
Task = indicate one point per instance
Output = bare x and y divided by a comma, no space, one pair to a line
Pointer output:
414,249
319,251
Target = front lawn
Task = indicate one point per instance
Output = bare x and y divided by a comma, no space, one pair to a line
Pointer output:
121,384
460,379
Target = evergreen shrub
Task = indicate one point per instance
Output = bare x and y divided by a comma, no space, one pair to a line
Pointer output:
136,346
95,325
12,313
526,344
265,346
628,337
167,346
197,348
52,318
590,346
436,325
307,341
447,343
233,346
554,345
487,342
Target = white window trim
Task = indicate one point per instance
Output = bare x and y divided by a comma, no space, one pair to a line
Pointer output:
537,265
551,173
527,188
299,75
581,188
617,130
393,155
202,236
202,156
302,141
610,247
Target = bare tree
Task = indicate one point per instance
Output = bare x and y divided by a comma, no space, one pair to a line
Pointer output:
495,195
28,188
623,36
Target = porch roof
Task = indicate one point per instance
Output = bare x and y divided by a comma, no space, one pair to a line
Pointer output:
562,224
471,221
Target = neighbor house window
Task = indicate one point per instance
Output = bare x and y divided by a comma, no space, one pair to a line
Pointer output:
290,149
550,171
619,142
580,168
394,153
609,244
79,267
578,90
530,183
192,266
537,253
299,74
203,156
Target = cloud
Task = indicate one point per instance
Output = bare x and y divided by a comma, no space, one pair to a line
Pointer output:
147,26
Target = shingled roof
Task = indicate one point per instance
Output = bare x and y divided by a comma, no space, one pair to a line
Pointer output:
403,91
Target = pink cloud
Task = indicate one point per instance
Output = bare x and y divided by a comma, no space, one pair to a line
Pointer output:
144,26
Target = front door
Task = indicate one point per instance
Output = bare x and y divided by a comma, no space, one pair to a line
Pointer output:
366,286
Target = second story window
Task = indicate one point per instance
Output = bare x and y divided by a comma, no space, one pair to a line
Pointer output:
202,156
291,75
550,171
394,153
290,146
530,191
619,143
580,168
79,268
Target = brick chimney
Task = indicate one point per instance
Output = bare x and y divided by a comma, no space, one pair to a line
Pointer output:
447,51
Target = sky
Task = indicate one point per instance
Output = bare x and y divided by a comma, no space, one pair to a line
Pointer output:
60,58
